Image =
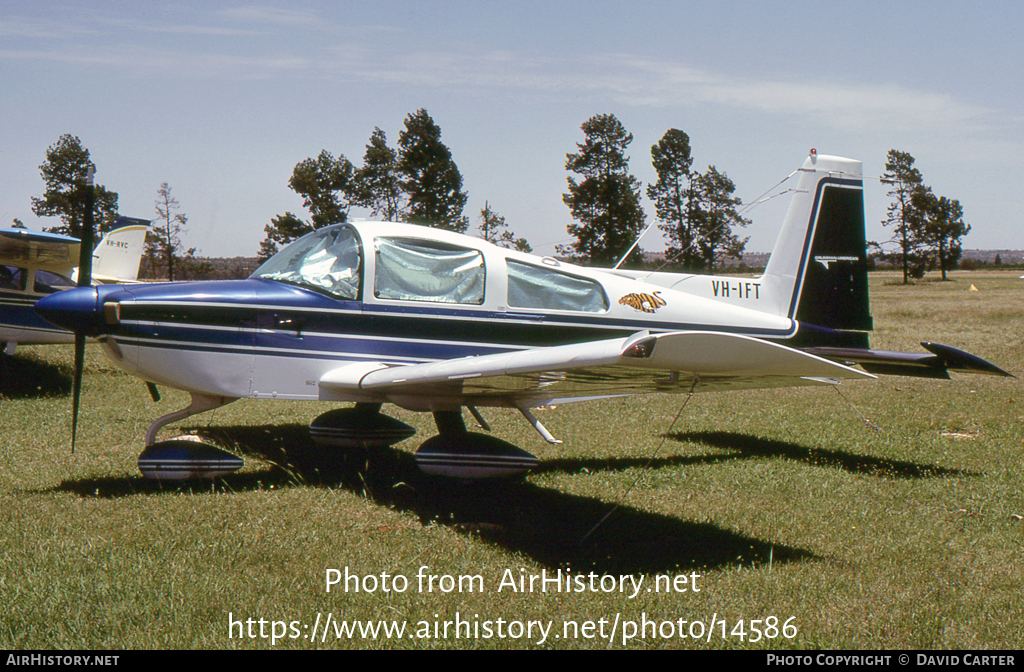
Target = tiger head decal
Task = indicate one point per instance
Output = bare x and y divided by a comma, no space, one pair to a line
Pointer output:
647,303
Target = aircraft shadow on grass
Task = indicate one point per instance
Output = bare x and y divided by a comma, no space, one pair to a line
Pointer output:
743,446
27,378
545,524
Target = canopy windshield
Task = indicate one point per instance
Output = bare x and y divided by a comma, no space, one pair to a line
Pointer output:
327,260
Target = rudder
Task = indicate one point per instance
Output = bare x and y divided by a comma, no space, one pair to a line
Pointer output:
834,292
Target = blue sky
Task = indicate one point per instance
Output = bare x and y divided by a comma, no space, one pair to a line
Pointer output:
221,100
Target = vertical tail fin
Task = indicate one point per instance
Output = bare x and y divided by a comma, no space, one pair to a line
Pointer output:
819,264
118,255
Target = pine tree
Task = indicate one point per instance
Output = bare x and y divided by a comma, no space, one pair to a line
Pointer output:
494,229
429,176
165,243
941,227
377,183
606,202
901,175
673,196
713,216
63,173
282,230
326,185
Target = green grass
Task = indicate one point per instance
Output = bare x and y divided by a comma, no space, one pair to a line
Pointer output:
898,535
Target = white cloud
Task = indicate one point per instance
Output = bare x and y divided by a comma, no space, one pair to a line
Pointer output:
38,29
618,78
632,81
273,15
179,29
167,63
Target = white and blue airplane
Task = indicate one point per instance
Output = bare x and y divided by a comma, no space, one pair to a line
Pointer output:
375,313
34,265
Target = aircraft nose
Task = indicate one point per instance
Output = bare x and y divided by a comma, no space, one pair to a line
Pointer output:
73,309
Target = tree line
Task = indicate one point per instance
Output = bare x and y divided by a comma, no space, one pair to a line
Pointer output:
418,181
697,210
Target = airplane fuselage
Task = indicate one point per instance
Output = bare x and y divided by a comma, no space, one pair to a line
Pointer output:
392,294
262,338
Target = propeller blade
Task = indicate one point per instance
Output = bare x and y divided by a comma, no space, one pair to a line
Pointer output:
76,391
84,280
87,238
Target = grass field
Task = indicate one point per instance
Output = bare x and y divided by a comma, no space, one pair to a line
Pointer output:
787,504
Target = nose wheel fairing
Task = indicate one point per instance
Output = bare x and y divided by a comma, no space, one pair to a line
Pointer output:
186,457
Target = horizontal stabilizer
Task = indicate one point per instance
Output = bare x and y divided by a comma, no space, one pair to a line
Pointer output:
938,364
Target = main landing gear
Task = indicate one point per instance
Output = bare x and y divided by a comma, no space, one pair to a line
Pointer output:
454,452
363,426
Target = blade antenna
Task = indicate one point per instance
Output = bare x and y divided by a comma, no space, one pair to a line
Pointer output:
643,470
84,280
635,243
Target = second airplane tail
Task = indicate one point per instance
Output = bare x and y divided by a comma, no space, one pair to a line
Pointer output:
118,255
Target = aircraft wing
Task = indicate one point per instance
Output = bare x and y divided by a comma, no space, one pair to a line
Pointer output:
667,362
49,251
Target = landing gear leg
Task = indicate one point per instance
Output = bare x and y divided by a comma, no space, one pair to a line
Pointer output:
450,423
200,403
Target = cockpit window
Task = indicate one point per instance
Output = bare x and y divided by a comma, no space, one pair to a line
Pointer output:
12,277
411,269
328,260
48,283
545,288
